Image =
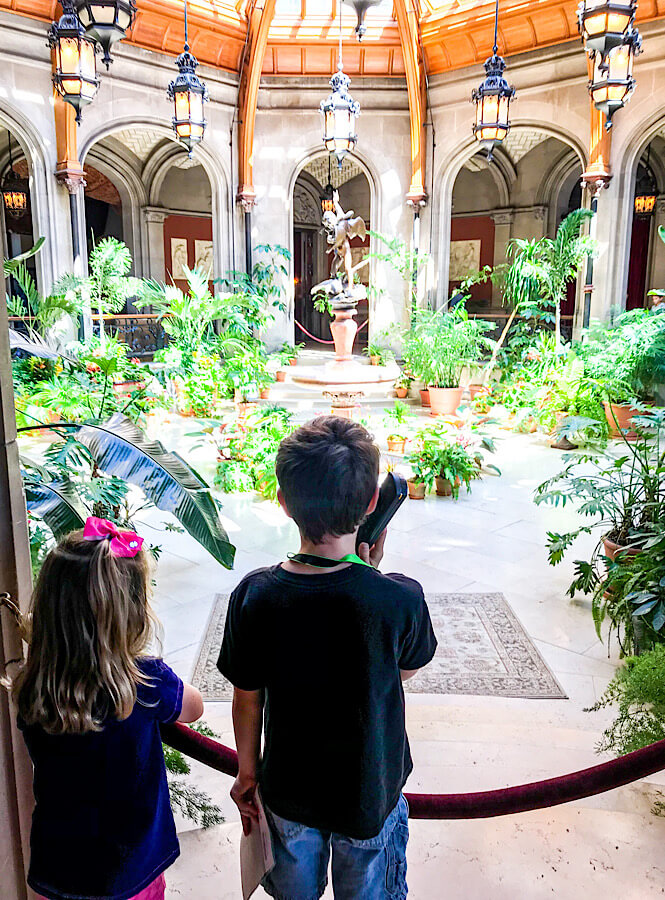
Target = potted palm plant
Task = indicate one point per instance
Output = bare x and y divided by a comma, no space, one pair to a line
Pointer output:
450,342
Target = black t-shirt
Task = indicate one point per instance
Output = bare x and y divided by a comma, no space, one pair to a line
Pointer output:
328,649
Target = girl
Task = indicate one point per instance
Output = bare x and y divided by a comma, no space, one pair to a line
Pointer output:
90,702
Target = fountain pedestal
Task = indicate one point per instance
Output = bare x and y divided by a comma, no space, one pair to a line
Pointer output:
344,329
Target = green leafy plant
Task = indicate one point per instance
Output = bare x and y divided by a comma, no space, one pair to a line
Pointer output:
193,803
441,344
624,495
108,285
627,359
397,420
457,466
638,690
120,451
378,350
37,313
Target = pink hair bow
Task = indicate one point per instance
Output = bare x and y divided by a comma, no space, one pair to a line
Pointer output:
123,543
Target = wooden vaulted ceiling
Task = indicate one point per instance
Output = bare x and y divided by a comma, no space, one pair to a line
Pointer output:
303,35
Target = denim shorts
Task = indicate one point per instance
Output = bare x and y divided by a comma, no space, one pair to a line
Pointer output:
374,869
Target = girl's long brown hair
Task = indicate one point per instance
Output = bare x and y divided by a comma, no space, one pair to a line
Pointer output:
90,622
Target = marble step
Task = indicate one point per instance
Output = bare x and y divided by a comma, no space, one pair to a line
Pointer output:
565,852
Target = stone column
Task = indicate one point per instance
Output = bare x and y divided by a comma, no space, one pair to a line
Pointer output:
16,800
156,263
503,225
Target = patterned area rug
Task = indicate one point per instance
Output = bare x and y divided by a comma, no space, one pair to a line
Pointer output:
482,650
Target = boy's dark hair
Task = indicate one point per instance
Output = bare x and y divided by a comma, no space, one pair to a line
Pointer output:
328,472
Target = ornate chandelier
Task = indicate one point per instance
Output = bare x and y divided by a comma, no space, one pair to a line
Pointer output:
361,7
189,94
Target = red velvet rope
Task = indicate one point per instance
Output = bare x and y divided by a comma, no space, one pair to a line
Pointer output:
480,805
320,340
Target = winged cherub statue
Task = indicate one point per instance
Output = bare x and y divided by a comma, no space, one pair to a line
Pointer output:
341,228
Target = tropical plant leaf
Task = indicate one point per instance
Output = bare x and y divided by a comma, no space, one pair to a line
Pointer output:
121,449
55,502
35,347
10,264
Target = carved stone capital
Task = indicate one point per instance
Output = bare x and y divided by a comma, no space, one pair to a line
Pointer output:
416,199
596,177
503,216
154,216
246,197
540,213
71,175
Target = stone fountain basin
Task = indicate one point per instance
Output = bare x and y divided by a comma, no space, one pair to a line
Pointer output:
349,375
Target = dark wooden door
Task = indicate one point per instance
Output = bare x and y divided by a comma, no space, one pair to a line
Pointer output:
304,255
639,259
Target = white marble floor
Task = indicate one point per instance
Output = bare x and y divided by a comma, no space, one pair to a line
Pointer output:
492,539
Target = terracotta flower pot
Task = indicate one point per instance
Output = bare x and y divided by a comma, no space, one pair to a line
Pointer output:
401,392
424,397
444,487
612,550
265,394
474,390
445,401
416,490
293,362
375,360
280,376
396,445
125,388
620,414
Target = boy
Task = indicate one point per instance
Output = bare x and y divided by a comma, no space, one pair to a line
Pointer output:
326,644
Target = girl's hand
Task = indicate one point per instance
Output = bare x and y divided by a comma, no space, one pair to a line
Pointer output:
375,555
242,794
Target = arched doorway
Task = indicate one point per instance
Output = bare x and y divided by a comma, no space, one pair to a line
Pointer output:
17,222
103,208
532,184
311,262
646,265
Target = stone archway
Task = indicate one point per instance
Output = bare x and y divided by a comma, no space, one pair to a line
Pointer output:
310,259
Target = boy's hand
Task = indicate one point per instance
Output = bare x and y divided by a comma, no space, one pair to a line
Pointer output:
375,554
242,794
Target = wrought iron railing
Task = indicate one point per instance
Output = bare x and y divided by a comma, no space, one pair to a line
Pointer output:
142,332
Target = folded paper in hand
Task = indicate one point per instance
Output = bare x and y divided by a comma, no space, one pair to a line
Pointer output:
256,856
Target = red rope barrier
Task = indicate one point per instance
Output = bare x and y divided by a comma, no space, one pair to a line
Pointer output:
320,340
479,805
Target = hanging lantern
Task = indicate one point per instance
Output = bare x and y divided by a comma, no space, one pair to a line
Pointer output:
75,76
14,194
106,21
612,81
340,111
189,94
327,199
361,7
603,24
492,98
492,101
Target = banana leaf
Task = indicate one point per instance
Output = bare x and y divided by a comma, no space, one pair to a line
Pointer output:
55,502
121,449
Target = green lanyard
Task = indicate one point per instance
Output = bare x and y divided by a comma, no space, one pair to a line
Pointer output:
322,562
